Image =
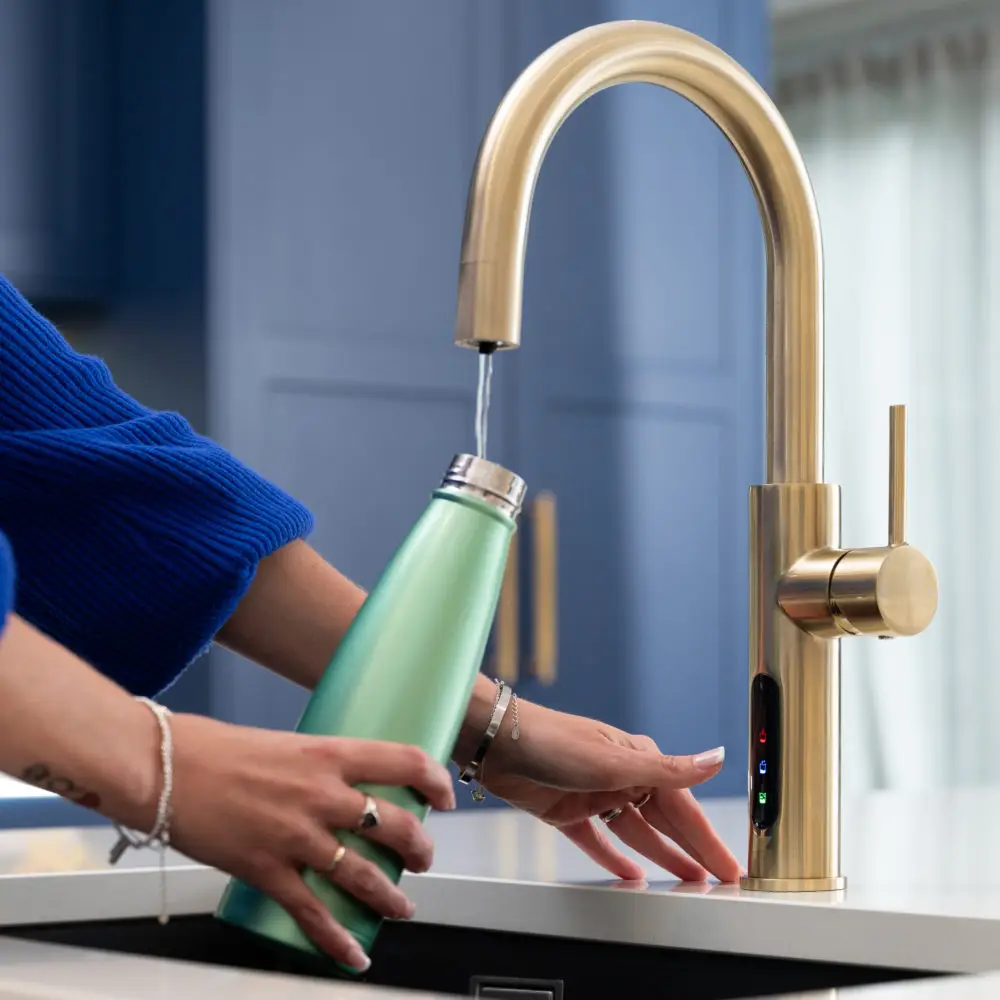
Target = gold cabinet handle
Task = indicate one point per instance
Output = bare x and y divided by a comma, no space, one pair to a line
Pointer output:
545,588
507,638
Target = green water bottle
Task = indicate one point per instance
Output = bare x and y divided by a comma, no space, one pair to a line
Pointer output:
404,671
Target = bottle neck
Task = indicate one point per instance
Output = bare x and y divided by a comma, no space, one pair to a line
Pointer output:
487,482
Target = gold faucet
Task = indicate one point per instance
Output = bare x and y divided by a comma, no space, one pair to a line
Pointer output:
806,592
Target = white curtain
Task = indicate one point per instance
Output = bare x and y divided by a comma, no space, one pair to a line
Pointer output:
903,148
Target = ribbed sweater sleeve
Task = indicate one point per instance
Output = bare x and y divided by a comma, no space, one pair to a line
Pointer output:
135,537
6,580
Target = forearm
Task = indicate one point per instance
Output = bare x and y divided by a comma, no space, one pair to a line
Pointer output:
66,728
295,614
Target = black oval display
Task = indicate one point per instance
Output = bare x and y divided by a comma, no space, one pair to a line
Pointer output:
765,751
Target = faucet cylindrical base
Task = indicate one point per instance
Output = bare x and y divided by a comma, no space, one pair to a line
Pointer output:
833,884
794,748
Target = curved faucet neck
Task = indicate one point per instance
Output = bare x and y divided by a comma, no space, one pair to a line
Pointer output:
511,155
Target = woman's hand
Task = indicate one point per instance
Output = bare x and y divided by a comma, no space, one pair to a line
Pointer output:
261,805
565,770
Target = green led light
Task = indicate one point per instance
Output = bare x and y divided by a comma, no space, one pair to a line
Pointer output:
762,797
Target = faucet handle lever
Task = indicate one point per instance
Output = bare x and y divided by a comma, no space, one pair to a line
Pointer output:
886,591
889,591
897,475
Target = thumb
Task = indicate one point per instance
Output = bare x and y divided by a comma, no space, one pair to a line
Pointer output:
665,771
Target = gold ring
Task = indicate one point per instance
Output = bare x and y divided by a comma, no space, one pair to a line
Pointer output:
607,818
338,856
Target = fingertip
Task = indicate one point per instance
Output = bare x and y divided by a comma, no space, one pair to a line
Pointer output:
440,795
725,866
445,800
632,872
685,772
734,873
710,760
691,872
358,961
622,866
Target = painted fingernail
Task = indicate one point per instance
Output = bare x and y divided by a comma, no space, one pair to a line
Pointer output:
358,960
710,758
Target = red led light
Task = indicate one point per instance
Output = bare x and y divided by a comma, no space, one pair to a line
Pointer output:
763,736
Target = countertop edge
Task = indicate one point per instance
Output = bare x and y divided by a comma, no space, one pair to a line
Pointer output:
716,923
710,923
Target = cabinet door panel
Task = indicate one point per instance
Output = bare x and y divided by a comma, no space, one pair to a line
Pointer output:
55,147
342,140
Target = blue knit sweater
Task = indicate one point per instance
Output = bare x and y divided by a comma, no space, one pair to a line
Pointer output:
134,537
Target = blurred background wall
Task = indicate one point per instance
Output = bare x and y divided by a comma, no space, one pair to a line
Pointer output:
896,106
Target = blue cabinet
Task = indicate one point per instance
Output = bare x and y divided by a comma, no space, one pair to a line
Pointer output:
342,139
56,62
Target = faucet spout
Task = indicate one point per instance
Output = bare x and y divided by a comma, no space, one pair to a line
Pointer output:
511,155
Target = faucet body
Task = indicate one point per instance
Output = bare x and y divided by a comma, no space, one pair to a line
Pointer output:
805,591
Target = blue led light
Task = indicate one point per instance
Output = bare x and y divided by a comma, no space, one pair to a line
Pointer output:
763,767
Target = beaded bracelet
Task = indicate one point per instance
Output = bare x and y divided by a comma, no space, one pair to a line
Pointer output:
159,836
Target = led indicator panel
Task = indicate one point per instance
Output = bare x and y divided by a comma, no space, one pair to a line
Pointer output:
765,749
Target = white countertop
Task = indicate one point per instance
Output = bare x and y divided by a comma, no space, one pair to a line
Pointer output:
923,887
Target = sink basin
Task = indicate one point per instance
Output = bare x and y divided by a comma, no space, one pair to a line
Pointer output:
448,959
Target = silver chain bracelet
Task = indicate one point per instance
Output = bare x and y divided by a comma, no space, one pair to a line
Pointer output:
159,836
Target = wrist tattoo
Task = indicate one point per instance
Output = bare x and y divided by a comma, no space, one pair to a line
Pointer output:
41,777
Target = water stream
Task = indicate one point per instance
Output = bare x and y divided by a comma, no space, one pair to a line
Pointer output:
483,402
